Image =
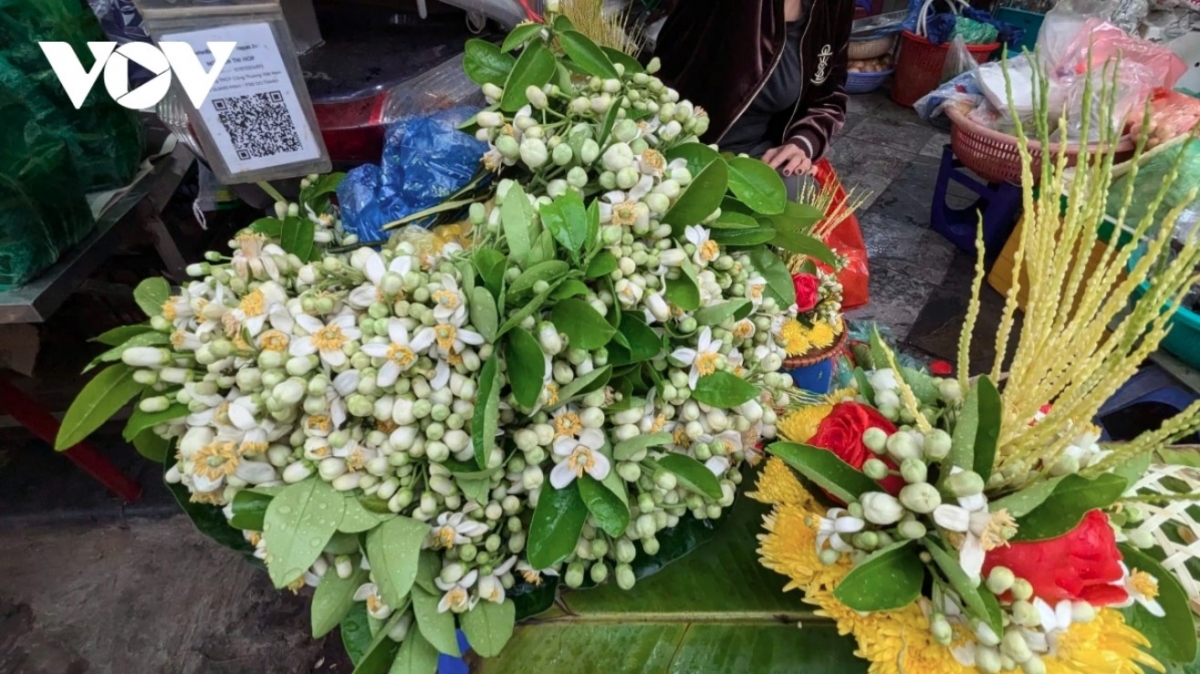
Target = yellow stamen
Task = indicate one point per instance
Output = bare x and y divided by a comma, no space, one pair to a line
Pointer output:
253,304
999,524
743,329
207,497
1144,584
445,336
756,291
581,460
274,340
444,537
401,355
655,160
252,447
178,338
706,363
567,424
680,437
386,426
215,460
255,538
659,423
296,585
356,460
168,308
551,393
455,358
374,603
709,250
329,338
532,577
319,422
624,214
447,299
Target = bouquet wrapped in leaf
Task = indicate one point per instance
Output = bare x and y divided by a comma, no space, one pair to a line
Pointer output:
978,524
436,433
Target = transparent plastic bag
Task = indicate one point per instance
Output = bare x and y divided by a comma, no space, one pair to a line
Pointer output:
1151,176
962,90
1172,114
958,61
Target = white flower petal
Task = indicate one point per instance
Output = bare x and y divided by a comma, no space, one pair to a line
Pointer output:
423,339
593,438
335,357
971,557
388,374
374,268
718,465
397,332
600,466
309,324
561,476
302,346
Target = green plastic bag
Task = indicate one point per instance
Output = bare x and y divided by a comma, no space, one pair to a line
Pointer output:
973,32
1151,176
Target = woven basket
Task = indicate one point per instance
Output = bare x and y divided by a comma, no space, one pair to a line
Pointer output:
862,83
861,50
1173,525
995,156
815,357
919,66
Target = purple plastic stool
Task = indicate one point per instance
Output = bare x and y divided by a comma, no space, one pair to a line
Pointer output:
998,204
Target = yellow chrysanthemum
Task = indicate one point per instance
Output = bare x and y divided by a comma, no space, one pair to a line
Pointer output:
795,338
801,424
822,335
899,642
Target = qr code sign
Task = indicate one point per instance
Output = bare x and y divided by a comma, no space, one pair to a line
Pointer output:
259,125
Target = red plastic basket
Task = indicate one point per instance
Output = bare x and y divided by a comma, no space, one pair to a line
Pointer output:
919,66
995,156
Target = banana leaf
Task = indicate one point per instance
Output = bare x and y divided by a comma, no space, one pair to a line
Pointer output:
714,610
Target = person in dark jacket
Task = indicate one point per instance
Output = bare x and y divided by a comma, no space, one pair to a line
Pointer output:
770,73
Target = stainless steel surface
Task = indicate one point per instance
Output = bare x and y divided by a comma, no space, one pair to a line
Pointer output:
35,301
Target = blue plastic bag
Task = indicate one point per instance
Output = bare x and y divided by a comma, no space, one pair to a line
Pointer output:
939,29
425,160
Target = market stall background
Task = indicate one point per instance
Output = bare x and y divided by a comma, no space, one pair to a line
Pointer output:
918,285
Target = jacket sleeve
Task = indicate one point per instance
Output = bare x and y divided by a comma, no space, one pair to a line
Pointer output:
826,105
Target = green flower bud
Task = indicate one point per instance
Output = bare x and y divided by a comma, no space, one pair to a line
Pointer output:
937,444
876,440
1013,645
1021,589
1000,580
829,556
941,630
903,446
920,498
1024,614
574,576
650,546
625,577
965,483
866,540
875,469
911,529
913,471
589,151
562,155
599,572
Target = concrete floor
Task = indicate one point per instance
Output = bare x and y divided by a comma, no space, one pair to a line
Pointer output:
90,585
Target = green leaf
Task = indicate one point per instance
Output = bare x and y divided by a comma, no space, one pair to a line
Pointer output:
416,656
333,598
717,313
489,626
516,217
119,335
380,653
803,244
632,67
609,509
1064,509
570,288
924,387
343,544
743,238
152,446
542,249
357,518
566,218
757,185
824,468
483,313
797,217
610,120
701,197
733,220
888,579
103,396
548,271
696,154
151,294
484,63
393,549
1135,467
298,523
562,24
693,475
627,448
988,436
643,343
864,385
487,412
556,525
1021,503
356,632
272,227
779,279
604,263
684,291
143,421
962,442
585,384
526,367
534,67
584,326
724,390
249,511
586,54
491,264
297,237
436,627
1172,637
520,35
475,488
531,306
980,604
322,186
562,77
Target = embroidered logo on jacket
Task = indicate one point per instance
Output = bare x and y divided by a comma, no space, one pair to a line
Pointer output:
822,63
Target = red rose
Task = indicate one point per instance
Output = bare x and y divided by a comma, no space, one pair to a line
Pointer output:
842,433
1080,565
807,295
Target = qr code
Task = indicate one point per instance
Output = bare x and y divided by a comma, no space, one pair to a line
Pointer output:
259,125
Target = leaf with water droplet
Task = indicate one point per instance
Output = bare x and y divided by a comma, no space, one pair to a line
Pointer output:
394,549
358,518
293,531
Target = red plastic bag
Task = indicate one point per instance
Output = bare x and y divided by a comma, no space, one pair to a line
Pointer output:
846,241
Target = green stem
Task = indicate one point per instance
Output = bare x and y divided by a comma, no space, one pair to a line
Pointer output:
271,191
440,208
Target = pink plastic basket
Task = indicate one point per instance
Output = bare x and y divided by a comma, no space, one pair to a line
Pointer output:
995,156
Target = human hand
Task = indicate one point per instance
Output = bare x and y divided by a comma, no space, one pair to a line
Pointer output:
788,160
